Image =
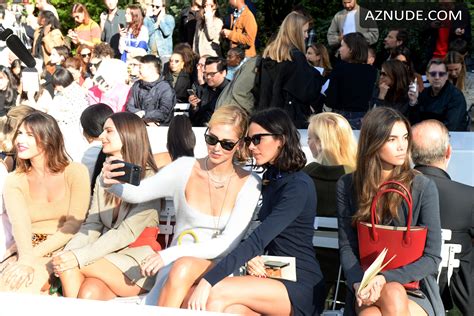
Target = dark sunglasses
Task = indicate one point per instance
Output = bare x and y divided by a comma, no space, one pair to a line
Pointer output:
86,55
96,65
437,73
225,144
255,139
155,6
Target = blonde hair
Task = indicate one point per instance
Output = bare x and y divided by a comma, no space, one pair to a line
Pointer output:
338,144
235,116
289,36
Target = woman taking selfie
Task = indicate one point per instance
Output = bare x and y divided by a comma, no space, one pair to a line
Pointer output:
383,155
46,199
214,200
96,263
286,229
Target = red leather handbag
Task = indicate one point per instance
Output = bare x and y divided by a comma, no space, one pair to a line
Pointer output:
406,243
148,237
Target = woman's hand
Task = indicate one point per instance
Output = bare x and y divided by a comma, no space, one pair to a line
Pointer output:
18,274
108,172
64,261
151,264
123,32
371,293
198,299
256,267
383,89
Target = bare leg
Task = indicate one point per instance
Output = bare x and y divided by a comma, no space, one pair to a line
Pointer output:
185,272
95,289
240,310
393,301
111,276
264,296
71,281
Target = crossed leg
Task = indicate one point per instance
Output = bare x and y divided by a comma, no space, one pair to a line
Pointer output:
250,295
393,301
185,272
100,281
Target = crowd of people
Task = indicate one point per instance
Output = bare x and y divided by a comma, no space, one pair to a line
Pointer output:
70,125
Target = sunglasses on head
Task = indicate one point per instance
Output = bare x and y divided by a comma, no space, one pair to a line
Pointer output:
255,139
213,140
437,73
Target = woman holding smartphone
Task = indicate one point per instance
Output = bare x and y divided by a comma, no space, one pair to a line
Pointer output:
286,229
214,199
96,263
383,155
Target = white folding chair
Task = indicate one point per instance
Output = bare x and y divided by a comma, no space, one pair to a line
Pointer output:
448,251
329,239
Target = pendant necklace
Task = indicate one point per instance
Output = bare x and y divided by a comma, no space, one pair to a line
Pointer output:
218,184
217,232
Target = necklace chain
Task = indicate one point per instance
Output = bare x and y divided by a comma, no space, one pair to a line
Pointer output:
217,232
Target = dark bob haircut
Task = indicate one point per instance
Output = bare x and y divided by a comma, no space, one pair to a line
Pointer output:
181,139
276,121
93,119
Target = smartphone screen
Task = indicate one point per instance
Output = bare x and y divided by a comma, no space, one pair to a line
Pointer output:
191,92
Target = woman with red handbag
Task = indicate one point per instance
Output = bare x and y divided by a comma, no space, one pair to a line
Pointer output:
383,155
96,263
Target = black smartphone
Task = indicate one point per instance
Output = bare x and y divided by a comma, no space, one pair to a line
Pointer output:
276,264
121,26
132,172
416,293
191,92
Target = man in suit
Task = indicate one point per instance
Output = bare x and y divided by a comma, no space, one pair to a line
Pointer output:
431,153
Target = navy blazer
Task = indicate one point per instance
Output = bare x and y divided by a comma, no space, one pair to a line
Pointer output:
456,205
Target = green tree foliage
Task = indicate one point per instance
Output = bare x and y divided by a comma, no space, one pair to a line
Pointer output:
270,14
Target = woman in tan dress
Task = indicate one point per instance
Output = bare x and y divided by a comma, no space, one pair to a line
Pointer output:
46,199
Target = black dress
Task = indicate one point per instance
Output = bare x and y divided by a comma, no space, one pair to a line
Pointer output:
286,229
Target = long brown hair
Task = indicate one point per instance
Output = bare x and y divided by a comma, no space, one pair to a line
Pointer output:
375,131
455,58
137,20
136,147
49,138
398,74
79,7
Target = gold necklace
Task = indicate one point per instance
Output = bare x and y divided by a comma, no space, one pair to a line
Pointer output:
218,184
217,232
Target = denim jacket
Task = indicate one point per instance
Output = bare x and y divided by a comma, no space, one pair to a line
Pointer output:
161,36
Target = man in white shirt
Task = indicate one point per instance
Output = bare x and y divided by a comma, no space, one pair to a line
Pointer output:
347,21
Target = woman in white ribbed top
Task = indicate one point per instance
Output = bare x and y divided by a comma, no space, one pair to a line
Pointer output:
213,197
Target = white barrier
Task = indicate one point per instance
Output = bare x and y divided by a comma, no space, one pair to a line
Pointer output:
44,305
461,166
